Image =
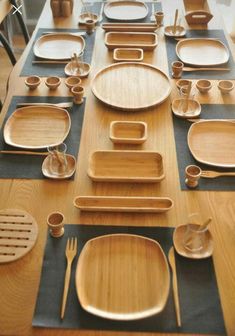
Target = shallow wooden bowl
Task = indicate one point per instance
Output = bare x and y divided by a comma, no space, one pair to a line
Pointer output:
32,82
82,71
203,85
87,16
53,82
128,54
193,110
132,132
72,81
46,170
225,86
179,31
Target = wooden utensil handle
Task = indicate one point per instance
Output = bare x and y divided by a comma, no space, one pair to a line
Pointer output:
66,288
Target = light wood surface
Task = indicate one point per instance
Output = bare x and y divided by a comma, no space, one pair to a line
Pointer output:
19,281
128,255
171,257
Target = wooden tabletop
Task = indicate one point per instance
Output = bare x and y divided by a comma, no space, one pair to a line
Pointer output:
19,280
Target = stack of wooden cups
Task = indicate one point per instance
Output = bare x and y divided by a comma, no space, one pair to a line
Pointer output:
61,8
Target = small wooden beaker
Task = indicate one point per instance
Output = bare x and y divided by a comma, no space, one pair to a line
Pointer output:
177,69
55,222
78,92
159,16
90,26
192,176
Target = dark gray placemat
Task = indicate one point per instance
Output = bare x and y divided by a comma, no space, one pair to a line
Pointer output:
44,70
97,6
219,34
199,298
29,166
185,158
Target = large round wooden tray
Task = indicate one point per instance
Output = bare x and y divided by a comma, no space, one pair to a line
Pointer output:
131,85
58,46
125,10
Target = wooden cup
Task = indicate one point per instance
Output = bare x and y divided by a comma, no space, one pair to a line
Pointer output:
177,69
53,82
159,17
78,92
90,26
192,174
32,82
72,81
55,222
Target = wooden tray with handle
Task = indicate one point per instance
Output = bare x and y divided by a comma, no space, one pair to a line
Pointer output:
197,12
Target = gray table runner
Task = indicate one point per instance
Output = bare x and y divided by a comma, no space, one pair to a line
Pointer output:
185,158
219,34
198,293
29,166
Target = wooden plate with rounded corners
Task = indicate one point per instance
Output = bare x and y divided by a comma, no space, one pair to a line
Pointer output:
128,54
35,127
202,51
145,41
68,173
126,166
125,10
128,132
193,108
116,269
178,238
58,46
131,86
18,234
212,142
123,204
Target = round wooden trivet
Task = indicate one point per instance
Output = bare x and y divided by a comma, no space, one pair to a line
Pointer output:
18,234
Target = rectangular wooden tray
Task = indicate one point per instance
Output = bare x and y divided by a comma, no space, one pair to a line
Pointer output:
126,166
146,41
123,204
197,12
128,54
128,132
129,27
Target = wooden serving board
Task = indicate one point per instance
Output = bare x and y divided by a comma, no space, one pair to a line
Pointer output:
126,166
129,27
123,204
131,85
18,234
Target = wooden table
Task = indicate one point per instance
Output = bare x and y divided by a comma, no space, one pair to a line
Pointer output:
19,281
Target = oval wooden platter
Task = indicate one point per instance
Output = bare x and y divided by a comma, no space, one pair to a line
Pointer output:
202,51
212,142
114,270
18,234
58,46
126,10
35,127
131,86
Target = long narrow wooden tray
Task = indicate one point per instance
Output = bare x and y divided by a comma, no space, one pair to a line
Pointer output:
126,166
197,12
146,41
123,204
109,277
212,142
131,86
129,27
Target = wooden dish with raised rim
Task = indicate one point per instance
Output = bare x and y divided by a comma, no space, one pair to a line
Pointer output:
107,268
128,54
123,204
128,132
145,41
126,166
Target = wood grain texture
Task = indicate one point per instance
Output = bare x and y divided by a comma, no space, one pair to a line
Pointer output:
19,281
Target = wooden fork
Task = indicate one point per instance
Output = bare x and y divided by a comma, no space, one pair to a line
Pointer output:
70,252
214,174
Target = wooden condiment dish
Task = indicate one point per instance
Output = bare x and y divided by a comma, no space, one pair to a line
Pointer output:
128,54
71,167
81,70
179,109
179,31
128,132
87,16
53,82
72,81
32,82
225,86
203,85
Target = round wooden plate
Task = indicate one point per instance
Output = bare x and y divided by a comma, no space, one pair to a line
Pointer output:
18,234
131,86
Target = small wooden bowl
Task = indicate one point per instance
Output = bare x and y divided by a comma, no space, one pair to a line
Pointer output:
193,110
83,71
225,86
46,170
203,85
182,82
53,82
87,16
72,81
128,54
32,82
179,31
128,132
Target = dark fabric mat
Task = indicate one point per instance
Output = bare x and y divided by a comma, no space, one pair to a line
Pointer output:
171,55
97,5
29,166
184,157
44,70
199,299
